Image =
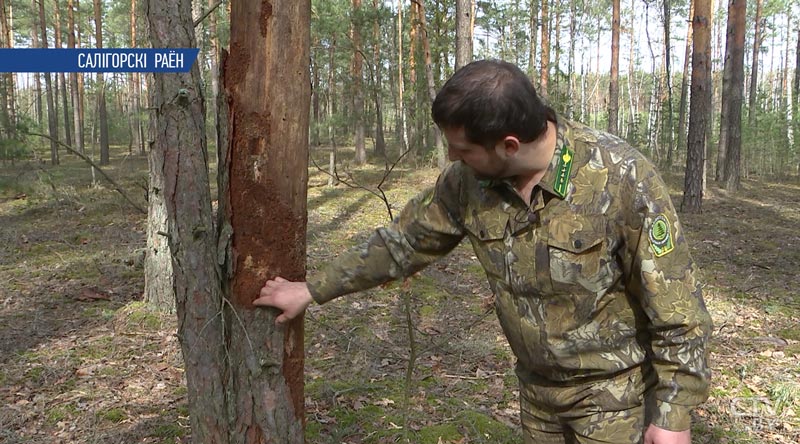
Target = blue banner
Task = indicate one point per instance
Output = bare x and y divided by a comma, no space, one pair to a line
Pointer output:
97,60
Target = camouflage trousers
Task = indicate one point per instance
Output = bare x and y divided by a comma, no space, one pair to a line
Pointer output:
609,411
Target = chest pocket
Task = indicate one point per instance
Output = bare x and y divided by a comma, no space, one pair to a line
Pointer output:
487,232
578,260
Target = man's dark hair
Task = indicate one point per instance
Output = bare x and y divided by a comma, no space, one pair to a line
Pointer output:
491,99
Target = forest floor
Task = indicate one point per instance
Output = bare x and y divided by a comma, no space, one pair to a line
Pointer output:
82,360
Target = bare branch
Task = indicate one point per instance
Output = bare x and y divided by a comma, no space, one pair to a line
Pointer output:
90,162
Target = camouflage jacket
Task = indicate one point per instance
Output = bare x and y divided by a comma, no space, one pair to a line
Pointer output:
591,278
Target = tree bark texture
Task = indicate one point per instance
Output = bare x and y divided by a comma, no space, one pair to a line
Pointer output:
357,70
269,97
733,91
463,32
698,108
380,139
52,116
544,74
533,30
77,99
682,106
441,153
7,78
751,106
613,85
101,88
62,79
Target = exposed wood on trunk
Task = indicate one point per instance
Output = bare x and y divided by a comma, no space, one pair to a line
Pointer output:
269,102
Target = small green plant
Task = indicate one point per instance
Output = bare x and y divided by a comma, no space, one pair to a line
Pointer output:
113,415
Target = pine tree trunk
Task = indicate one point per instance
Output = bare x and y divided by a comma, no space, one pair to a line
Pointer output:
358,88
380,139
77,98
613,85
441,153
244,374
751,106
37,82
698,111
411,106
401,112
668,69
7,79
62,80
571,67
135,104
727,84
463,32
52,114
544,74
732,89
270,98
533,33
102,113
687,55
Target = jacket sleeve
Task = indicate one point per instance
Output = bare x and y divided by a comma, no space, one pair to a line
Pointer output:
428,228
663,278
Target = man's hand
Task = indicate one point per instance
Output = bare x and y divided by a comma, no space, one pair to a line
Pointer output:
291,298
657,435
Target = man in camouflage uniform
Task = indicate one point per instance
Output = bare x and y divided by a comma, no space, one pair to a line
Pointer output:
594,286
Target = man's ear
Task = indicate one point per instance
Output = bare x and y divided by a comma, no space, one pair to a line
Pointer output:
510,145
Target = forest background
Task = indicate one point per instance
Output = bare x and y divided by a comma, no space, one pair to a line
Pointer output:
373,73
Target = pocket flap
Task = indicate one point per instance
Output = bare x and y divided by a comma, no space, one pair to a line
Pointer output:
576,233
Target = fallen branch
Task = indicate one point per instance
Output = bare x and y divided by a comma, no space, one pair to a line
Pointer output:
90,162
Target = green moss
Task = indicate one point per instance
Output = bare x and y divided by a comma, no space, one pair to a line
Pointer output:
168,431
60,413
438,433
138,315
790,333
113,415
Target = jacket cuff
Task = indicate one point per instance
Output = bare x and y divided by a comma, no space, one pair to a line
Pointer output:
318,296
673,417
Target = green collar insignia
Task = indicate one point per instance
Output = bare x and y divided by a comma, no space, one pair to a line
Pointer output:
661,236
563,170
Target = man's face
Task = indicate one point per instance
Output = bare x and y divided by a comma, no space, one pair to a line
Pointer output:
486,163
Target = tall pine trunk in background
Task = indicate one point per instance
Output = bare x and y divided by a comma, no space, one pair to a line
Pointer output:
77,98
751,104
358,88
401,109
796,101
732,89
102,114
668,70
52,116
213,61
8,78
377,87
734,9
544,74
533,32
37,82
463,33
698,109
613,84
682,106
62,79
244,373
441,153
